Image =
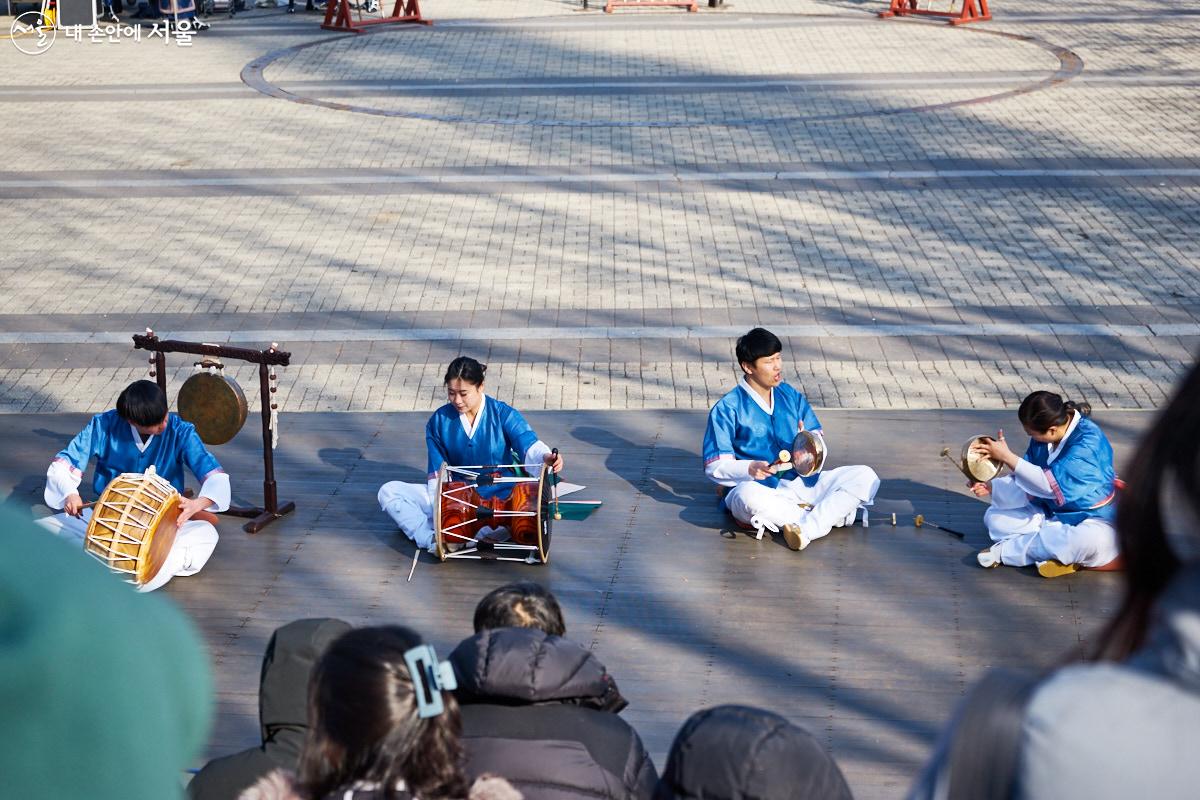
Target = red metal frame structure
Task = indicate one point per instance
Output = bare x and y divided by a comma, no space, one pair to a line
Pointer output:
690,5
972,11
272,509
338,16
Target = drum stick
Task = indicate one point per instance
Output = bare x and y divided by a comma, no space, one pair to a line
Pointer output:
920,521
416,555
554,486
783,463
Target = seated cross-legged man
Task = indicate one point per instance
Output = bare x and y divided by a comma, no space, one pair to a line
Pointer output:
138,435
749,427
540,709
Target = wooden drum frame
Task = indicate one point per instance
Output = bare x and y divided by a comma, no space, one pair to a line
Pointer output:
133,525
459,513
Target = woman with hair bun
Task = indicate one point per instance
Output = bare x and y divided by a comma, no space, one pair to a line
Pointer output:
1057,507
470,429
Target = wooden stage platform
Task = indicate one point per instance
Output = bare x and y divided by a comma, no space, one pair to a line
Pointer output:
868,638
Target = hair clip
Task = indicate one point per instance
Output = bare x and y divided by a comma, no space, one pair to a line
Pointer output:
430,678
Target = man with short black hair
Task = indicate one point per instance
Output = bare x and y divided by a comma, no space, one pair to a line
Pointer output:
753,423
136,435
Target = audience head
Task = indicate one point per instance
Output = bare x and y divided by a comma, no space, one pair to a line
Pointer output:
364,723
143,404
1158,516
1043,413
735,752
104,693
520,605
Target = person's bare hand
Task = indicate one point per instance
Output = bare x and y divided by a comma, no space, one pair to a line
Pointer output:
979,489
554,461
996,449
189,507
74,505
760,470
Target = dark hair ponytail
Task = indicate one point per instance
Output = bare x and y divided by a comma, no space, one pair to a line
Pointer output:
466,369
363,722
1040,411
1166,455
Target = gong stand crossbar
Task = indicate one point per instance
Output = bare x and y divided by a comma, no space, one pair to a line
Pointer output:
272,509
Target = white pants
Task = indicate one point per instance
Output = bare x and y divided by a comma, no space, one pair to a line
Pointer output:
836,495
194,544
410,506
1024,536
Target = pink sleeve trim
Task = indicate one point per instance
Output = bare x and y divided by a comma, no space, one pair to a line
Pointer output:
1058,495
210,473
70,466
722,456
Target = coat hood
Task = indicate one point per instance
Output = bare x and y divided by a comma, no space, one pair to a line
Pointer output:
519,666
291,655
742,753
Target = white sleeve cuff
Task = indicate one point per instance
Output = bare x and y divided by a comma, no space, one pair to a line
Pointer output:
535,456
216,488
62,481
1032,479
728,471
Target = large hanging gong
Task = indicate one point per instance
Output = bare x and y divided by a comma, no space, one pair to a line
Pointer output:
213,402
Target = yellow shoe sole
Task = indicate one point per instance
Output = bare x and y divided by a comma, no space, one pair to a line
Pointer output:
793,538
1055,569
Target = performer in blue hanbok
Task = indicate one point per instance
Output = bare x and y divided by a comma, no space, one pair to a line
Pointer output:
749,426
1057,507
472,429
139,434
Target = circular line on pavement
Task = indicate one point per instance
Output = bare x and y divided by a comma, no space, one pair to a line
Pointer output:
1069,66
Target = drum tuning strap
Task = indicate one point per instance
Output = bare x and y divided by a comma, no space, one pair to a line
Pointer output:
430,678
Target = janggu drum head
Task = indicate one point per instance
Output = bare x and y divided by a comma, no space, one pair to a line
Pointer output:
133,525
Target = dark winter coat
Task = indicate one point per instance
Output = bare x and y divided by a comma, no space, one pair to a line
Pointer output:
743,753
541,711
282,710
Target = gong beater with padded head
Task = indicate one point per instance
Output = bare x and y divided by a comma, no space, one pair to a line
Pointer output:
215,404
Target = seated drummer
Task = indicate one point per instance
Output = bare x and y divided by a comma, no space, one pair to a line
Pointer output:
470,430
135,436
748,428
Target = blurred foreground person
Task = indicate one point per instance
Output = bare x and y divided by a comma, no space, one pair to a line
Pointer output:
744,753
282,710
540,709
382,725
104,693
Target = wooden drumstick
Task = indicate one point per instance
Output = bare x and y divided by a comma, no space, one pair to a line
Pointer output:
920,521
416,555
782,463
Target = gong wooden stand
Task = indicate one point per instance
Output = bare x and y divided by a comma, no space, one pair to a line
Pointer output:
273,509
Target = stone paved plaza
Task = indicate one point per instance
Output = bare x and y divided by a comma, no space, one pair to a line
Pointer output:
936,220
